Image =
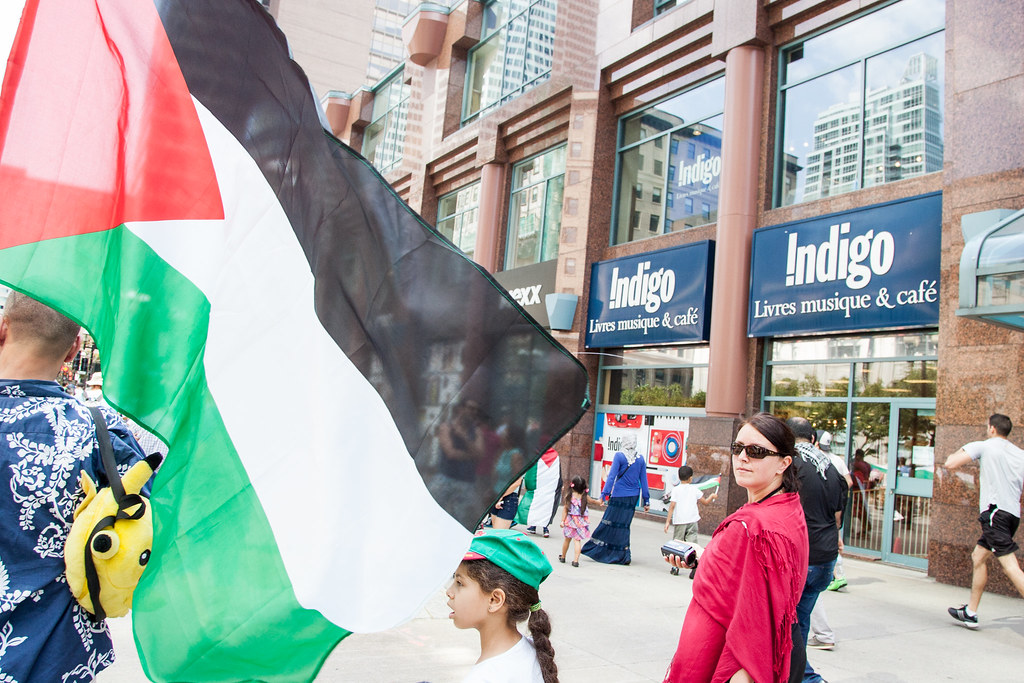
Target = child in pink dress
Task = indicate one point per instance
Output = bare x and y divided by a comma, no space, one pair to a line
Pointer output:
575,518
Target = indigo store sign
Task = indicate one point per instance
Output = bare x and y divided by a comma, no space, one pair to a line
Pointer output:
660,297
872,267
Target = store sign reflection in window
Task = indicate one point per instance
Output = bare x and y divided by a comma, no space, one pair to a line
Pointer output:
670,165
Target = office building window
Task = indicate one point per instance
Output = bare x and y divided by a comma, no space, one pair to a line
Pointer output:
867,114
661,6
457,217
514,53
535,213
384,138
688,167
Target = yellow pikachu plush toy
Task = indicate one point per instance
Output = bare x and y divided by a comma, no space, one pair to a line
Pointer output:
110,541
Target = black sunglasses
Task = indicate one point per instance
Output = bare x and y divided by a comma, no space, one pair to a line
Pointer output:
756,452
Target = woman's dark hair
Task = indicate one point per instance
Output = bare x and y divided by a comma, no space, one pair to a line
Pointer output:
579,485
782,439
519,598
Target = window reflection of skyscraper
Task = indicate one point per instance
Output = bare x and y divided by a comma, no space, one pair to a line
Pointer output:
895,141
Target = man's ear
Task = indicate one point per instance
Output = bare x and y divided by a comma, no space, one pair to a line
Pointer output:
5,329
76,346
496,600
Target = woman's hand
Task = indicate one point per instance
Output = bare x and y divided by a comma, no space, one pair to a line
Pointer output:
677,562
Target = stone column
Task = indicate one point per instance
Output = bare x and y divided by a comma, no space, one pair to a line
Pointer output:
737,218
489,224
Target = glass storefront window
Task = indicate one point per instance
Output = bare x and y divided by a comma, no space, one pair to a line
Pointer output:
809,380
670,164
811,377
830,416
514,53
902,379
914,344
457,216
862,104
384,138
535,211
662,377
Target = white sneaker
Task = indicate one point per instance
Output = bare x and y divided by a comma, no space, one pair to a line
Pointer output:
819,644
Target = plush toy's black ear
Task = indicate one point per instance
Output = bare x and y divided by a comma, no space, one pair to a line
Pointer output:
154,460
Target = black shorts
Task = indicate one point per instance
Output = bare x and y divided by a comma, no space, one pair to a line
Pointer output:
509,505
997,530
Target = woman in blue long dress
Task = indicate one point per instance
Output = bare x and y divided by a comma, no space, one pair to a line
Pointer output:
627,479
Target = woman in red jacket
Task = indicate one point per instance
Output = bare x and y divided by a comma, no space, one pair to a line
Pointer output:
740,624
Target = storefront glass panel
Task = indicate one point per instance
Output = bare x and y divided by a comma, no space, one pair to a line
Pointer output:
665,378
901,379
882,424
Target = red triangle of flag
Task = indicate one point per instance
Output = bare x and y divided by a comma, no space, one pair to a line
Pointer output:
97,126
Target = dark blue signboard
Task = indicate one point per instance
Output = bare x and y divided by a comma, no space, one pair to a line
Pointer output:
660,297
872,267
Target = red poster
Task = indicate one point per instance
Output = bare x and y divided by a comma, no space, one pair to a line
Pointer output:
666,448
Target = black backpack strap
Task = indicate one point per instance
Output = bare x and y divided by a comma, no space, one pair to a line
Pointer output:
107,454
123,503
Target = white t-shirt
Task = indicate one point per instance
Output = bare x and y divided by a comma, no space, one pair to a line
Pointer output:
517,665
685,496
840,464
1002,473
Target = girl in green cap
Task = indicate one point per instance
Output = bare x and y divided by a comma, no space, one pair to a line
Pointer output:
495,588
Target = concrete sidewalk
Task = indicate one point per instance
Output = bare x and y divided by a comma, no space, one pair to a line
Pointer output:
621,624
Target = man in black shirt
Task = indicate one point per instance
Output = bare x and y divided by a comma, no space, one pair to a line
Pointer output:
823,497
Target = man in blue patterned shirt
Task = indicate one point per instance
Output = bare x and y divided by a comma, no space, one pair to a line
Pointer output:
47,438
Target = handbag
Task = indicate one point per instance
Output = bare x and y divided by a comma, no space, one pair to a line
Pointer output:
110,540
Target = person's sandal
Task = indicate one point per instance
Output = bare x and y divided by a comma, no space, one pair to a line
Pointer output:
575,563
561,558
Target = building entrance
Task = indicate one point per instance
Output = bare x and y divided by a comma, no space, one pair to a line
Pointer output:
875,397
892,465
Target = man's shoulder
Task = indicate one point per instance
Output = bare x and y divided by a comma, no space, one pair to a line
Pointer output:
995,446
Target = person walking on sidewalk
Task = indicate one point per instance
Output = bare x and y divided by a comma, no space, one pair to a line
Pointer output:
627,479
575,519
1002,477
823,497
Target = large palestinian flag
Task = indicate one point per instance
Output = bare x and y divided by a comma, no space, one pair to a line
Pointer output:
266,304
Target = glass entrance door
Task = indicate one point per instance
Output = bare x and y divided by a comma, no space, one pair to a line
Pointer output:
893,463
909,500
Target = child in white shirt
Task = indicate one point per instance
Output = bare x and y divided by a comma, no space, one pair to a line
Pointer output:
683,513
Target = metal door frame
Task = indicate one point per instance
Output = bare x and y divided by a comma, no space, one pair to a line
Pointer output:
889,509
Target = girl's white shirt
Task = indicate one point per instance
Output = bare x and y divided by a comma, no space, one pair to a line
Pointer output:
518,664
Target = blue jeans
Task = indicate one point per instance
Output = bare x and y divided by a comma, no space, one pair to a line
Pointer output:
819,576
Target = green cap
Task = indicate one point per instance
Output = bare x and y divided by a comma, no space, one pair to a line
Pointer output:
513,552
